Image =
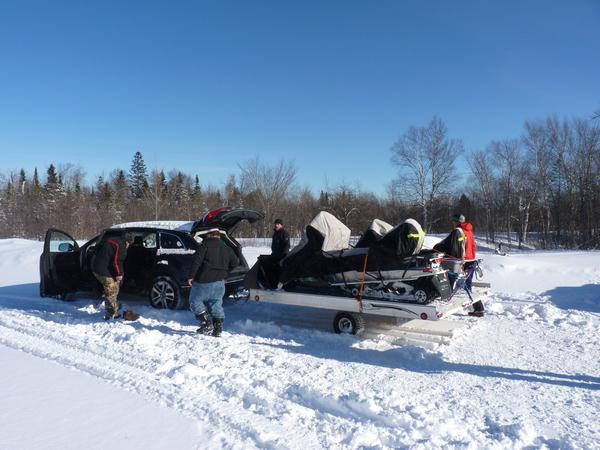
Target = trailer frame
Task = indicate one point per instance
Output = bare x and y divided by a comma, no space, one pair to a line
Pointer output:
413,317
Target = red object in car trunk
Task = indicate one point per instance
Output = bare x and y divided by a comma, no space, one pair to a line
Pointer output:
210,216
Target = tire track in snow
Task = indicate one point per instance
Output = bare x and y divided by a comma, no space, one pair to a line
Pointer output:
33,335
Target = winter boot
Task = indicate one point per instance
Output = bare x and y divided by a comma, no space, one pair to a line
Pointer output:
205,325
477,313
111,314
217,327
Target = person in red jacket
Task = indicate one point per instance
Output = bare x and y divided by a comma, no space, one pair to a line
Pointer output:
459,221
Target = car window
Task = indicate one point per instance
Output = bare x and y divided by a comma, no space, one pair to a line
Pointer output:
168,240
143,239
149,240
61,243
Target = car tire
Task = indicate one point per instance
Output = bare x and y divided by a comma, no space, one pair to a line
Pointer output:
164,293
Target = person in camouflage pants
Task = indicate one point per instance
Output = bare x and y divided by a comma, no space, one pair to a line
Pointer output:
107,267
110,292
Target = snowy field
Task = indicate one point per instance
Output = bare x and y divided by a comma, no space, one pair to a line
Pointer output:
527,375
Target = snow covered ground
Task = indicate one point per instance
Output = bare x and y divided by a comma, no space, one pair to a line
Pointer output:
527,375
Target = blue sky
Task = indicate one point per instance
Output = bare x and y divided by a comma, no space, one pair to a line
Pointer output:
204,86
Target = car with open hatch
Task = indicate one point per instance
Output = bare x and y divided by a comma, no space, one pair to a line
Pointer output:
158,261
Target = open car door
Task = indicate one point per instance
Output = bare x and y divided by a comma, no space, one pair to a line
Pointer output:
60,270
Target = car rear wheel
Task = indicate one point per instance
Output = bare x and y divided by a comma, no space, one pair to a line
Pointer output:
164,293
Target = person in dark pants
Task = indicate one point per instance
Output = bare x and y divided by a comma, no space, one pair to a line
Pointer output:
211,263
280,247
107,267
280,244
459,221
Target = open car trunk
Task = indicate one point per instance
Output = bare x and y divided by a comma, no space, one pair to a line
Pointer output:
225,218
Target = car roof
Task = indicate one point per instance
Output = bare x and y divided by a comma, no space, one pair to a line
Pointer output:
166,230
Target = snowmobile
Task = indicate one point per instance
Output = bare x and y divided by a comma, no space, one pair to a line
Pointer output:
387,263
386,275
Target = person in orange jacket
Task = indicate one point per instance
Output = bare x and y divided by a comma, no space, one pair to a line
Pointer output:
459,221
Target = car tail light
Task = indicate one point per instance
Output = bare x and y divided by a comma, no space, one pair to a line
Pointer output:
210,216
426,269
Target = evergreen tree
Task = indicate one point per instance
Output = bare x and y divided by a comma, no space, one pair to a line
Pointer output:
36,179
121,194
197,190
54,193
138,176
52,177
22,181
197,204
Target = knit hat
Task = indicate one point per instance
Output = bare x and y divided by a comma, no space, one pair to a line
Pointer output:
278,221
458,218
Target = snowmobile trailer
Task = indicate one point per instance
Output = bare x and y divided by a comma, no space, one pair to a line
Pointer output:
387,274
425,319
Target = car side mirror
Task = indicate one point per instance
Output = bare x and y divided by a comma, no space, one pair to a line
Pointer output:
65,247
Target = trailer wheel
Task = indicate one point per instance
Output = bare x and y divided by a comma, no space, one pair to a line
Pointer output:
348,323
421,296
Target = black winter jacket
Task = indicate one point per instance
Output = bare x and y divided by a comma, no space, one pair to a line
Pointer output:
280,245
212,261
109,257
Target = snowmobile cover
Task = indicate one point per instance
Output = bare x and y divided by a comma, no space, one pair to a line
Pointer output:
334,235
374,233
453,244
405,239
309,259
323,234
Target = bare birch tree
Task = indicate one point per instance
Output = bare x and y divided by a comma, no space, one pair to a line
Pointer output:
268,185
425,158
482,169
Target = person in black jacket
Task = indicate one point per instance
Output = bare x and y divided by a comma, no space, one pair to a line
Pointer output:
280,244
211,263
107,267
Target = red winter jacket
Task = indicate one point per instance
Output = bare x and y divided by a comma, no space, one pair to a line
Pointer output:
470,247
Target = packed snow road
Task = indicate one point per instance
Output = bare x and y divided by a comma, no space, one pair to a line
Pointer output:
526,375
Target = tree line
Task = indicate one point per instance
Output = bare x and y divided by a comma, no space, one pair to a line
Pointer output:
543,185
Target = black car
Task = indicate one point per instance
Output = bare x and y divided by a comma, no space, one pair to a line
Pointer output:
157,264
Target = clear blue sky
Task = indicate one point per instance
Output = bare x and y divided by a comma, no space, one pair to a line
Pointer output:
203,86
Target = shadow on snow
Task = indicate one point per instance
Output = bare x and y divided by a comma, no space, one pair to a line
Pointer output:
582,298
243,319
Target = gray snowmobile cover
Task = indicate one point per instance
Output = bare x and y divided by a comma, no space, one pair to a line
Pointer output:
377,229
